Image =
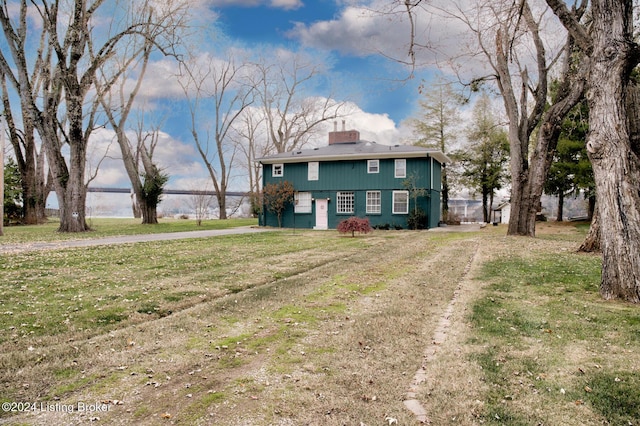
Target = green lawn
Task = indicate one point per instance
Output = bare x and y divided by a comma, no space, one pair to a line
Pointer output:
102,227
317,328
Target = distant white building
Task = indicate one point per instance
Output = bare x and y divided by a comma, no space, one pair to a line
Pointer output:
502,213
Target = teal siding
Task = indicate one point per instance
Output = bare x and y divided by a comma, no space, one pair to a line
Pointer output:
352,176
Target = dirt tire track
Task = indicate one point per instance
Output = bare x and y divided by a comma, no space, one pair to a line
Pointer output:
435,276
439,337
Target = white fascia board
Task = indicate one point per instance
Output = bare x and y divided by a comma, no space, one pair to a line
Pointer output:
360,156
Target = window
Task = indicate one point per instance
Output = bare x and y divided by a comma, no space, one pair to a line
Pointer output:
344,202
400,202
373,166
302,202
313,167
373,202
277,170
401,168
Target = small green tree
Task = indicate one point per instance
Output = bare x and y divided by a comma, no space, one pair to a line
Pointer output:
570,172
12,191
436,126
152,189
484,161
277,197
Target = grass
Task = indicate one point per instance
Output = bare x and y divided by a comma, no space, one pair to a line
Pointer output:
103,286
314,328
104,227
541,333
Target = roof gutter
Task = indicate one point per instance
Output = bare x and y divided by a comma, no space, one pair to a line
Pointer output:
442,158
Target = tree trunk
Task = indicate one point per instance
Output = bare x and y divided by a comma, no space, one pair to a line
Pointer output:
30,163
485,204
560,206
528,177
491,195
36,190
445,193
591,209
616,166
149,214
222,204
135,206
72,194
591,242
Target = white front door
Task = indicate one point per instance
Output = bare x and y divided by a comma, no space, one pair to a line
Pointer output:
322,216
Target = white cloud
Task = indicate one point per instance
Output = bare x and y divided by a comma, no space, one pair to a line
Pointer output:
178,158
160,81
381,27
237,3
372,127
286,4
356,31
279,4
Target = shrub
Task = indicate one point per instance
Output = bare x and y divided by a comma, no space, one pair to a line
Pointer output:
277,196
417,219
384,226
353,225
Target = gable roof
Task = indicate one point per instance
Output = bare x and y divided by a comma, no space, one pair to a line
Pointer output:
361,150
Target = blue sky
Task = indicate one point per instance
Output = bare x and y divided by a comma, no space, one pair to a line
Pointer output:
379,83
345,37
345,34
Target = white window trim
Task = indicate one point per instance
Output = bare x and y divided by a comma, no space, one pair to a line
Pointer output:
306,205
395,193
404,168
378,207
275,167
338,203
371,164
313,170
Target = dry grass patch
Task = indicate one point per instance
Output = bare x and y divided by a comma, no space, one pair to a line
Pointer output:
318,329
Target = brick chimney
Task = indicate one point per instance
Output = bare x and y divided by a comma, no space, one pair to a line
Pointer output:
343,136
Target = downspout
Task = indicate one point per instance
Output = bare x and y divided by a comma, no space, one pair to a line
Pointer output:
431,190
263,210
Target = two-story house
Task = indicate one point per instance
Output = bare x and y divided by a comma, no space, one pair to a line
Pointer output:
353,177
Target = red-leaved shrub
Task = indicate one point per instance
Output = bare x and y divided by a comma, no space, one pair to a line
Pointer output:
353,225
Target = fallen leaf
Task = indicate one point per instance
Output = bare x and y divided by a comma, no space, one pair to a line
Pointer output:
166,415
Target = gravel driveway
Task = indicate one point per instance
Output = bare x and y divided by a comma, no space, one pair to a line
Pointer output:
125,239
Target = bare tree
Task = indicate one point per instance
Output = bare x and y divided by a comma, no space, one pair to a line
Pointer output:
200,201
609,45
147,179
435,127
250,136
292,117
485,158
216,88
508,36
30,159
73,47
